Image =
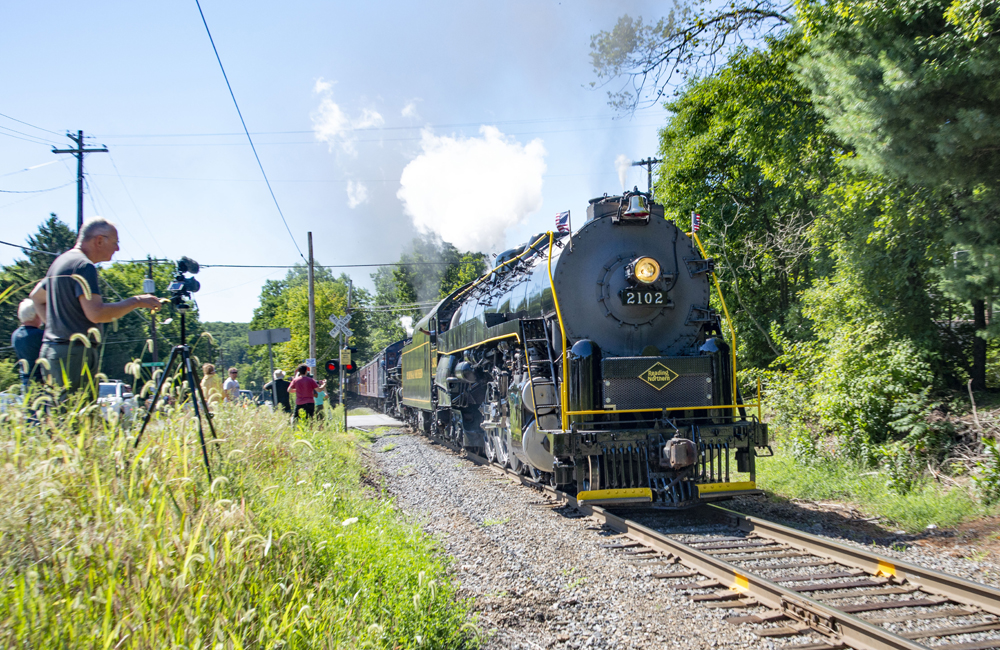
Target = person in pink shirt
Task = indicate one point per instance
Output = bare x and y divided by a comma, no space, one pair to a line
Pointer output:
305,388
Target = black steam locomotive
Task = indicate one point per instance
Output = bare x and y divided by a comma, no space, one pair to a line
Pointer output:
593,361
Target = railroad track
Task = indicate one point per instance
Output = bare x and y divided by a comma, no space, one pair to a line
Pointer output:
804,585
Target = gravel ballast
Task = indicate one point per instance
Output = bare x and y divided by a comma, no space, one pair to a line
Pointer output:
543,577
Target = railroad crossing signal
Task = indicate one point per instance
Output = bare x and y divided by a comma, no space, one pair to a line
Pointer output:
341,325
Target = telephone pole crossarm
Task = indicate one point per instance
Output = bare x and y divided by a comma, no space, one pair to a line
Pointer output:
648,164
79,153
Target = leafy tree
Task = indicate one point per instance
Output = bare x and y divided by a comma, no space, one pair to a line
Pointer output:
427,272
912,86
745,149
686,44
285,303
53,236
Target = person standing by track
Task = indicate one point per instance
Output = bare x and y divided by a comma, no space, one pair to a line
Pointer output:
70,299
27,342
231,388
281,388
211,383
304,388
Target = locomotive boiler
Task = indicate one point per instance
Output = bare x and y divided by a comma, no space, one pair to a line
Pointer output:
594,361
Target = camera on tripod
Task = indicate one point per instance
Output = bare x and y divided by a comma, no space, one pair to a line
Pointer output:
182,287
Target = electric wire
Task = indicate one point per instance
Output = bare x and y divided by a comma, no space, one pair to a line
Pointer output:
246,130
50,189
26,169
33,141
31,125
134,205
28,135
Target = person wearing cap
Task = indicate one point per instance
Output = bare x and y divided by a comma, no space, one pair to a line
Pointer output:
231,388
27,341
69,301
281,388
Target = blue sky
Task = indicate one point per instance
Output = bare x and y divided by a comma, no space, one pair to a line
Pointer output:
372,119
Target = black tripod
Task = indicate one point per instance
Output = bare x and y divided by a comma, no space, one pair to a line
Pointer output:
182,354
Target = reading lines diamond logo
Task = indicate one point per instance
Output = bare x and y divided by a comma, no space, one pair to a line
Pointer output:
658,376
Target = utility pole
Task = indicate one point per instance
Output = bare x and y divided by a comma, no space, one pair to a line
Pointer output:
343,344
78,152
648,164
312,305
151,288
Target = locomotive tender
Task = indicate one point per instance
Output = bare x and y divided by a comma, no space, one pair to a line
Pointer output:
591,360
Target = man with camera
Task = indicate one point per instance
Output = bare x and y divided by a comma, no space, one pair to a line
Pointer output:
70,299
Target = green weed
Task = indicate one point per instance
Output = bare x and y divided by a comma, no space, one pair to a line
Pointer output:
823,478
495,522
104,545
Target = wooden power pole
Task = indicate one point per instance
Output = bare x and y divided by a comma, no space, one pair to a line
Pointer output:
79,152
312,306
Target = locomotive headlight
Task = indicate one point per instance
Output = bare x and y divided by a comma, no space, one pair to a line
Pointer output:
646,270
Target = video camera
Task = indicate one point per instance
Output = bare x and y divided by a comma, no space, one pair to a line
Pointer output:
182,287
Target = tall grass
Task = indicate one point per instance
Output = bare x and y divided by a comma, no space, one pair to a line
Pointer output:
107,546
837,478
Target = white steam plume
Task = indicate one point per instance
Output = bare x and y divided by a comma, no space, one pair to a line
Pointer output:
469,191
622,163
406,322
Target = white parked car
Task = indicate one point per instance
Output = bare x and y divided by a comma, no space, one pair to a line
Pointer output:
116,397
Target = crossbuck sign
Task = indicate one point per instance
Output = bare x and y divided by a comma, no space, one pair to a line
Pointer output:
340,325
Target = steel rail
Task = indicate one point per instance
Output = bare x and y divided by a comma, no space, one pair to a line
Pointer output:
958,589
836,625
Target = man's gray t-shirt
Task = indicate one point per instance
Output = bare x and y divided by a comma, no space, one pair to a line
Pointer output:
64,314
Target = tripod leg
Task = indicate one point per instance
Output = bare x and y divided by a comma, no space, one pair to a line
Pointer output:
195,393
156,394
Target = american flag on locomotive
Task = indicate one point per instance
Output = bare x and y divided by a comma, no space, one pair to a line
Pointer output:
562,222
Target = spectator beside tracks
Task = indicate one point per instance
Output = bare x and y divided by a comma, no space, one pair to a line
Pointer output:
27,342
70,299
304,388
211,383
281,388
231,389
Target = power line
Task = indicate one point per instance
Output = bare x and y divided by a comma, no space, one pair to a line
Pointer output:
26,169
318,266
30,250
31,125
245,129
370,128
37,191
46,141
129,194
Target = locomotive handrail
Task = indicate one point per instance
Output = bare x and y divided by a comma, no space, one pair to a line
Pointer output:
527,250
669,408
564,389
725,310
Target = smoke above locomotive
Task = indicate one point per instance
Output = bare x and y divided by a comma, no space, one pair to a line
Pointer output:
594,361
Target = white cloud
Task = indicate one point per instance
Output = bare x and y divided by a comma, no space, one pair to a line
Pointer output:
333,126
410,110
469,191
357,193
368,119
